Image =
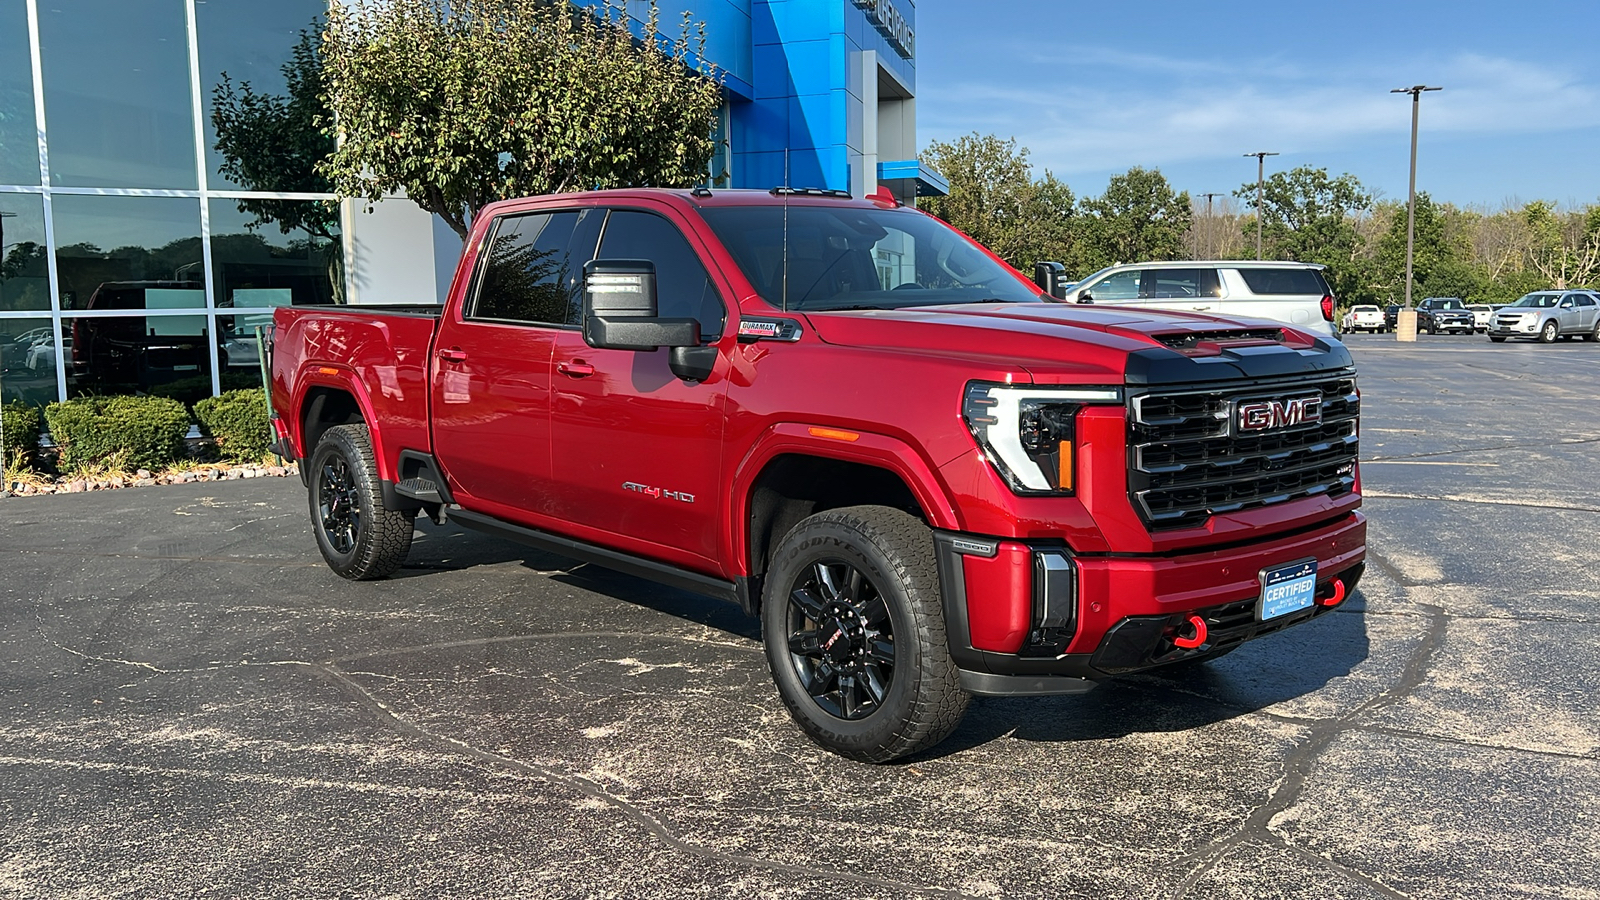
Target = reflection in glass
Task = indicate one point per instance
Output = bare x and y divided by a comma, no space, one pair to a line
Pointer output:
19,136
118,107
27,361
168,356
128,252
261,78
275,264
239,349
24,268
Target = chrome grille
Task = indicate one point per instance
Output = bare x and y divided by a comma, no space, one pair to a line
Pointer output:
1190,461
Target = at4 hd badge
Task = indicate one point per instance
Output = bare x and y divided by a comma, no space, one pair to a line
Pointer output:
658,493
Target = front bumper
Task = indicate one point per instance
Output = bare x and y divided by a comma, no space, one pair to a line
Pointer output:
1514,328
1031,618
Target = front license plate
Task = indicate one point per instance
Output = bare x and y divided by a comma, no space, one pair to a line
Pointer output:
1287,589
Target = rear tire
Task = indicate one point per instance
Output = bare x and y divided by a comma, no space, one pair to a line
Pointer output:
855,635
359,537
1549,333
1594,335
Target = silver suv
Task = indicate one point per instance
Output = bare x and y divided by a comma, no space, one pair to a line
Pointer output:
1288,292
1548,315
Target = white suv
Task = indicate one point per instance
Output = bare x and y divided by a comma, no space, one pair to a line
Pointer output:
1288,292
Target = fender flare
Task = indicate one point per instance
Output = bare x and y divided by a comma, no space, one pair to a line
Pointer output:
868,448
339,377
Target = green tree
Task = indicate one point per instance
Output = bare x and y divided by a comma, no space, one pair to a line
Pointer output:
995,200
1138,218
464,102
275,143
1433,250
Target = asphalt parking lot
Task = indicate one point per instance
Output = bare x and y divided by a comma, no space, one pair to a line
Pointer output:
194,706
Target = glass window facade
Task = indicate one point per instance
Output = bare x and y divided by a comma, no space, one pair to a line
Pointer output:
118,107
19,135
152,245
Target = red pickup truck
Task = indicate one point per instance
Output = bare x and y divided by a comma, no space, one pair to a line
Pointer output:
856,423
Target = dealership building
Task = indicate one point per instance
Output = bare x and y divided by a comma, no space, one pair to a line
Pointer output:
134,259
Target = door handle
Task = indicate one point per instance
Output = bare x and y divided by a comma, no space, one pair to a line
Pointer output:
454,354
576,369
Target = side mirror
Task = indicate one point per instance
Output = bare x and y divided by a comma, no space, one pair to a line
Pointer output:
1051,278
1085,297
619,309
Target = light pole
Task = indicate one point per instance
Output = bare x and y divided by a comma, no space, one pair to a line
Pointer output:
1416,92
1210,227
1261,175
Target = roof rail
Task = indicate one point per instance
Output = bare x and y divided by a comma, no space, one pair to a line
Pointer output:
784,190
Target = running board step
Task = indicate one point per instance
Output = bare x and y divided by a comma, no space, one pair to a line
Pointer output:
419,489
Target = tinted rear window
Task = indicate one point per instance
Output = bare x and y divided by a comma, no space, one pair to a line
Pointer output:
1284,281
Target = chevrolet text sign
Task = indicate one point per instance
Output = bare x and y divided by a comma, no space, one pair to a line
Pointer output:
894,26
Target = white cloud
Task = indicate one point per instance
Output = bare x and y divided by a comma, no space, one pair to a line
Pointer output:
1088,109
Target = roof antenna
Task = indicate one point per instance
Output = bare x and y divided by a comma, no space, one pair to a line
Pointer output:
786,230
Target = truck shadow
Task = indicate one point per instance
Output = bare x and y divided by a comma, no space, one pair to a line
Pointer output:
1274,670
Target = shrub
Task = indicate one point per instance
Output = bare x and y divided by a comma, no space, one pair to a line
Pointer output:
20,422
136,432
238,420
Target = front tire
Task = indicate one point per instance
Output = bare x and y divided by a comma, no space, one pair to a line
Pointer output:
359,537
1497,339
855,635
1549,333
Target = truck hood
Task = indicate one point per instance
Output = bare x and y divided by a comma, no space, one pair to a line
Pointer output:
1082,344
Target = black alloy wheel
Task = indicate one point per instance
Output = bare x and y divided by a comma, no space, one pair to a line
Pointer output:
360,538
338,504
841,641
853,627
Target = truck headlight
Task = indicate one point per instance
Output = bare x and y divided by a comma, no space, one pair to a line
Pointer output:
1029,432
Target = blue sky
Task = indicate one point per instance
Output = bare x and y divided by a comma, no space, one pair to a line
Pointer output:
1094,88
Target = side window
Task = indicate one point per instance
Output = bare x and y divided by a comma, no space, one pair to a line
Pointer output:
683,288
1161,284
1585,300
527,276
1121,286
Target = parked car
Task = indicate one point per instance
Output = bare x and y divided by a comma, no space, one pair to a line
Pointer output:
1443,315
1548,315
1391,316
707,389
1293,293
1362,318
1481,314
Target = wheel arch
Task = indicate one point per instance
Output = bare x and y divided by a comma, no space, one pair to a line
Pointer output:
791,474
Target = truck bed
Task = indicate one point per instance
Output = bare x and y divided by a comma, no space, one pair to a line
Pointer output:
386,347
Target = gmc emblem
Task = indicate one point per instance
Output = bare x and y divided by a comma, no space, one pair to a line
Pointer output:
1260,415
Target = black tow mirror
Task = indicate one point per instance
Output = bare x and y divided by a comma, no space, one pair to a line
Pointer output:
620,311
1051,277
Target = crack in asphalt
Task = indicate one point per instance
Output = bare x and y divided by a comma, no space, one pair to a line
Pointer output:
1481,501
589,788
1299,764
1432,453
1392,731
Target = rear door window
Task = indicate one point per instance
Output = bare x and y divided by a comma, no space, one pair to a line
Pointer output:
1163,284
533,270
1284,281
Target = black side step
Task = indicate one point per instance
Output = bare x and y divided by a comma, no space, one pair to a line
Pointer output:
419,489
662,573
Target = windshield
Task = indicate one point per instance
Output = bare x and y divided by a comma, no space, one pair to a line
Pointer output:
846,257
1537,301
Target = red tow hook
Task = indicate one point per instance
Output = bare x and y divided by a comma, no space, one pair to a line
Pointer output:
1338,594
1189,643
